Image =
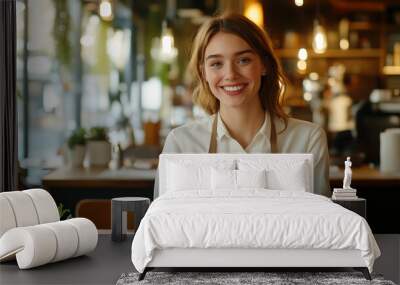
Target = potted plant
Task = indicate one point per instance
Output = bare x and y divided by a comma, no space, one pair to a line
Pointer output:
98,147
76,148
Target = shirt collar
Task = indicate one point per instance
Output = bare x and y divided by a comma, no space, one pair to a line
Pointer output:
222,130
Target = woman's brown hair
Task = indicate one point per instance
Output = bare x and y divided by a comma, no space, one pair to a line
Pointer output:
272,84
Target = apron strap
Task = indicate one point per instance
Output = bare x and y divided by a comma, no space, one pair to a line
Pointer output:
273,137
213,141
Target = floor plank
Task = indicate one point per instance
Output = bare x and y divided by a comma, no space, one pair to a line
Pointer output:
111,259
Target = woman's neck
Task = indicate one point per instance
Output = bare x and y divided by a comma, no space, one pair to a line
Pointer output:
243,124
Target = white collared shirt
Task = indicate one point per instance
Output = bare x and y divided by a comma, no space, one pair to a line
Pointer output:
299,137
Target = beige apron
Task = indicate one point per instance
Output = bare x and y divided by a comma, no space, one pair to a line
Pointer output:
213,140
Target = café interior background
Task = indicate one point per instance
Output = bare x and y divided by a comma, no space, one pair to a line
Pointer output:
121,64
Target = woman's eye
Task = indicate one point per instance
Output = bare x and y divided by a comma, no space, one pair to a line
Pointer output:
216,64
244,60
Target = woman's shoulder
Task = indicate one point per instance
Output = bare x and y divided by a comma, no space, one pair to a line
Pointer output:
196,126
302,136
312,132
303,125
300,128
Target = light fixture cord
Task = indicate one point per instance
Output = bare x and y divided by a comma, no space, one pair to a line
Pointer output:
317,11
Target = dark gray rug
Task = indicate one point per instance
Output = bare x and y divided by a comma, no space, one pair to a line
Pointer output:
242,278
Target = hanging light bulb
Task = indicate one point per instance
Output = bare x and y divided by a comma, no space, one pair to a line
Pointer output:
168,51
301,65
302,54
344,26
105,10
299,3
319,43
254,12
344,44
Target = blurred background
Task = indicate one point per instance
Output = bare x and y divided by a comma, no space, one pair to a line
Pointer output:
100,83
117,69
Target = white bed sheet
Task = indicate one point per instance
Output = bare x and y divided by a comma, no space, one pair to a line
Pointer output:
251,218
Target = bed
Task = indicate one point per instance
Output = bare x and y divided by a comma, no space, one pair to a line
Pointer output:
246,211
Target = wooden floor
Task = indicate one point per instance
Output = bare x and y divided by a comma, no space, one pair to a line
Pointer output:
111,259
102,266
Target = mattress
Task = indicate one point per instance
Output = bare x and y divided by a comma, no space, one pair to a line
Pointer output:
250,219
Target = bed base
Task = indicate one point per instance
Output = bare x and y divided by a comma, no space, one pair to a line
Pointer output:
242,260
364,270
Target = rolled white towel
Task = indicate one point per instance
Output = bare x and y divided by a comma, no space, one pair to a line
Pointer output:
87,235
33,246
67,240
40,244
23,208
7,218
46,208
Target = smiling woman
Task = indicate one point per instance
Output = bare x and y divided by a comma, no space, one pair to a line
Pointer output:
233,72
240,84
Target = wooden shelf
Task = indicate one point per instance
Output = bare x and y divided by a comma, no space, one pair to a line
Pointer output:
334,53
364,26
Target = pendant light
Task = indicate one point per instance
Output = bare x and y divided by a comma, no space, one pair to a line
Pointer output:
302,56
299,3
344,26
168,51
254,11
320,42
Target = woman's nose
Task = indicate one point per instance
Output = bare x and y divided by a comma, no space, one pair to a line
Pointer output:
230,72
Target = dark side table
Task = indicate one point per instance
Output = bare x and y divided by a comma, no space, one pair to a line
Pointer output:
358,205
137,205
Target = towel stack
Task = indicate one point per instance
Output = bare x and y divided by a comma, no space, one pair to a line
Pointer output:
344,194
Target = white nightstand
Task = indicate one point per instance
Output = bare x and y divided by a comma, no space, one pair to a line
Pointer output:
358,205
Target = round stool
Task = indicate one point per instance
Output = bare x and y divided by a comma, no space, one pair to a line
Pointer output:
137,205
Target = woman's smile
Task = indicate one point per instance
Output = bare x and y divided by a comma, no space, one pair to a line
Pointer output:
233,89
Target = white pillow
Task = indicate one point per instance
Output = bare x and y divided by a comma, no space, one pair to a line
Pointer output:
192,174
183,178
292,175
295,179
235,179
251,178
223,179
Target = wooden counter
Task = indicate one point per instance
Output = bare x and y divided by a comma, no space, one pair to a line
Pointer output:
74,178
136,178
97,186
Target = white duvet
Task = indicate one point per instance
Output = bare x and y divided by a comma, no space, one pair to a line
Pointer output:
253,218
